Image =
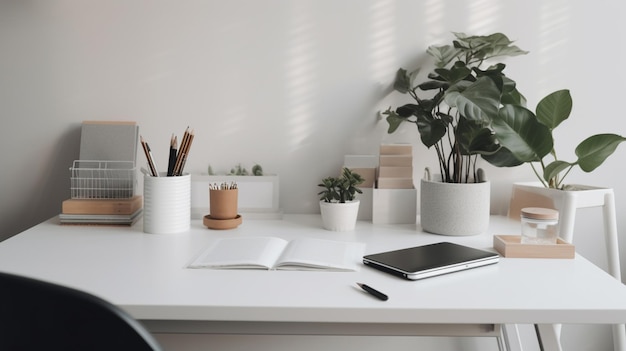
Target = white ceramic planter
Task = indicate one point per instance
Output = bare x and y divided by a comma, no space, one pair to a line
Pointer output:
339,217
457,209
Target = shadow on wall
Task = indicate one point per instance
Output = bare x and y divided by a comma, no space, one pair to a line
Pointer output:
49,189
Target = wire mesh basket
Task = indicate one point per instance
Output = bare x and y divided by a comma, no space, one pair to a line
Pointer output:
102,179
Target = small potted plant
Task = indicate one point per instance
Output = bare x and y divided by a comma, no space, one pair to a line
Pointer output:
338,206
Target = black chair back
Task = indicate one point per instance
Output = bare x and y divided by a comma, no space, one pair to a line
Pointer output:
37,315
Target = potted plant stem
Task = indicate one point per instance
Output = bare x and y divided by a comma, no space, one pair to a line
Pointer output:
338,206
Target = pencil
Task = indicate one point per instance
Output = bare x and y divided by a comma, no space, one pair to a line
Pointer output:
186,154
179,156
183,152
173,155
146,150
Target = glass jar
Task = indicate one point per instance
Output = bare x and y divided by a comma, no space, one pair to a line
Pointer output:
539,225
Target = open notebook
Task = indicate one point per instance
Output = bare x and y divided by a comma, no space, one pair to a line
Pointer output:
276,253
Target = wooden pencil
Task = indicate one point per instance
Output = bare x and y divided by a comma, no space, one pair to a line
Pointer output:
146,150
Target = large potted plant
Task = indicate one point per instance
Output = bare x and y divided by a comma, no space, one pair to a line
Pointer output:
338,206
453,111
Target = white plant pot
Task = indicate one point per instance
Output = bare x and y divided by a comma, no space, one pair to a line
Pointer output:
339,217
457,209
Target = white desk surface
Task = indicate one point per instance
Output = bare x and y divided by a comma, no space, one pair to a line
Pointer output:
145,274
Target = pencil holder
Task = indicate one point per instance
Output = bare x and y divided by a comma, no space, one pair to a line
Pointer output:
167,204
223,206
223,203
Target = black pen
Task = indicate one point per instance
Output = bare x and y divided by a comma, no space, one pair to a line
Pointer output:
373,291
173,154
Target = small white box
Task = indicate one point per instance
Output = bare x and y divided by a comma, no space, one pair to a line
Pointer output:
394,206
365,205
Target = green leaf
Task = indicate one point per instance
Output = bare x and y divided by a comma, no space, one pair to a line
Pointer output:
407,110
403,81
474,138
431,129
503,157
393,120
553,169
594,150
518,130
433,84
476,101
493,45
554,108
443,55
495,70
455,74
512,97
500,50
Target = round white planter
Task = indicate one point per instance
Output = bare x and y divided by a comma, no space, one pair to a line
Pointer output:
454,208
339,217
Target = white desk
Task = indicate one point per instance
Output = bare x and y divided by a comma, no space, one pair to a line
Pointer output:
145,274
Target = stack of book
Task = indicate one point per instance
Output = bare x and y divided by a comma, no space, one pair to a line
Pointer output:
102,211
103,179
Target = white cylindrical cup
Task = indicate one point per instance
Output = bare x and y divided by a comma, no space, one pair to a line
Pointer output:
166,204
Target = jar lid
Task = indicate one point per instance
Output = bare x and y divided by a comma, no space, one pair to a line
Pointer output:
540,213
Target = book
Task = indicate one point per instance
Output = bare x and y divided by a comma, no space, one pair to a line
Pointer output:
102,206
273,253
106,219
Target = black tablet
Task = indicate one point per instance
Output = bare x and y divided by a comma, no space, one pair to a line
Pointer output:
430,260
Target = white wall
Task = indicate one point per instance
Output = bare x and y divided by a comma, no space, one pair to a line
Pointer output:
293,85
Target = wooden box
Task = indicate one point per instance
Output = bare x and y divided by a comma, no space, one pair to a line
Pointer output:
511,246
396,160
395,183
395,172
396,149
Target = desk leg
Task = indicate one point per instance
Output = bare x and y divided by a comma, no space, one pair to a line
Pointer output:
548,337
511,338
619,337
